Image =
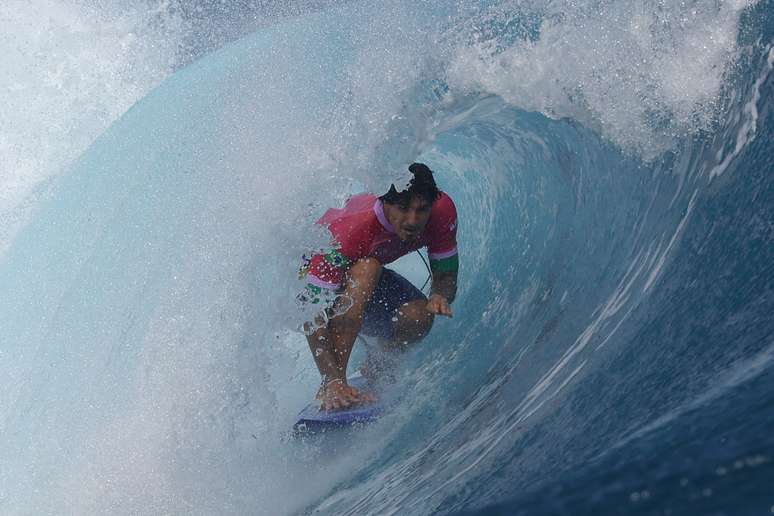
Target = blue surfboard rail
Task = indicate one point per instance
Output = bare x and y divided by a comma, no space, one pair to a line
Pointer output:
313,420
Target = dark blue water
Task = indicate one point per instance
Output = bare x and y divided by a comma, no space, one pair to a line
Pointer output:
612,349
697,354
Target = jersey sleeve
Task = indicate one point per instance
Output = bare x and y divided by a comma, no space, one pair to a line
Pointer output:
442,248
327,269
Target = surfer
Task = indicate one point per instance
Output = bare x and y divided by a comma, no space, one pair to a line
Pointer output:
359,295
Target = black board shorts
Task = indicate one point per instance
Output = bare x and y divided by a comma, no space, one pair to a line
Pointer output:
392,292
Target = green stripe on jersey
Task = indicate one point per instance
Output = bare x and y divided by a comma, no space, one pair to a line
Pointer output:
450,264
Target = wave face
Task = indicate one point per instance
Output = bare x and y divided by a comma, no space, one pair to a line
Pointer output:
612,349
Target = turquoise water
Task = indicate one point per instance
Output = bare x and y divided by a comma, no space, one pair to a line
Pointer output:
612,345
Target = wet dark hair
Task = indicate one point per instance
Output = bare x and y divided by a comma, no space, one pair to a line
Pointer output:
422,185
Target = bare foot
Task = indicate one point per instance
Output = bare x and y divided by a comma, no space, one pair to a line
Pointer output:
337,395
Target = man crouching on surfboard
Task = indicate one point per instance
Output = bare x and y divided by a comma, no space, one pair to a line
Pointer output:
360,295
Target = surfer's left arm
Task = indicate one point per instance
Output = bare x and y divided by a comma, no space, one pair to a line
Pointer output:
444,259
442,293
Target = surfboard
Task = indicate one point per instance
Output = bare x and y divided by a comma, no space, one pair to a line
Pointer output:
312,420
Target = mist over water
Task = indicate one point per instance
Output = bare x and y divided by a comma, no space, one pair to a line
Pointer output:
162,165
67,75
73,67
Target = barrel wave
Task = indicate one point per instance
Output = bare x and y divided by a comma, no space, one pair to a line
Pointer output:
612,348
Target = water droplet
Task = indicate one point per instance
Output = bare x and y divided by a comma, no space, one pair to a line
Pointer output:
683,482
634,497
707,492
721,471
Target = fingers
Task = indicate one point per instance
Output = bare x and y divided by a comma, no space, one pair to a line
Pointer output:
439,308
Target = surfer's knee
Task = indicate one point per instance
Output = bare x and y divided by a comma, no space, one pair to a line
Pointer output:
414,322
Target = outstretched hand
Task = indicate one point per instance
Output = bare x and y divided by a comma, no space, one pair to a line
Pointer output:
438,305
337,395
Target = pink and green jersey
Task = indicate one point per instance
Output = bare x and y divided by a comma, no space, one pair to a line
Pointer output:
361,230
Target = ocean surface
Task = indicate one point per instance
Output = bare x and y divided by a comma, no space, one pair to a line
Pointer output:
162,164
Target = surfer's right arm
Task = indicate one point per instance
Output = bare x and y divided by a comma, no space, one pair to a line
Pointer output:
331,343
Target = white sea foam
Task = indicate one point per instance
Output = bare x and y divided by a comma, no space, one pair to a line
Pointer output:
642,74
69,70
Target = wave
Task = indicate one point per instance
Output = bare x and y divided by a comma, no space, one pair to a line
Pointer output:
609,168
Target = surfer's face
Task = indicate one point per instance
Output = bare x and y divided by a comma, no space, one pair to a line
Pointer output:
408,220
